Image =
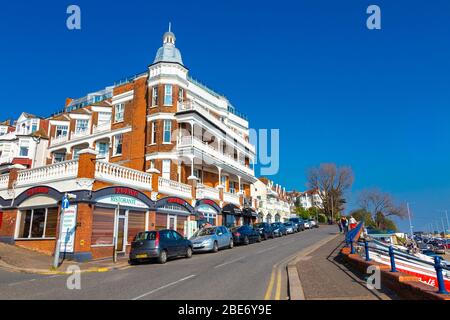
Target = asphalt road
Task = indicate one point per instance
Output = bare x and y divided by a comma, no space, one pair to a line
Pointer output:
243,273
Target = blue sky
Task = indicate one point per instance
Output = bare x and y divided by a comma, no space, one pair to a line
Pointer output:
377,101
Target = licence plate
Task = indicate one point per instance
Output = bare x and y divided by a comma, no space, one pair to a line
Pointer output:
139,256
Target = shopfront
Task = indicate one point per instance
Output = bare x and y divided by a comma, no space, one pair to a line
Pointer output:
250,216
207,212
231,215
37,211
119,213
174,213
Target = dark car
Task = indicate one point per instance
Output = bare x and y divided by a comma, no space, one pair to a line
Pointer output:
299,224
279,229
265,230
162,245
438,247
245,235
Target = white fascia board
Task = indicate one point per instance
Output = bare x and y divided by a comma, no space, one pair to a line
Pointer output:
173,80
162,155
123,97
161,116
102,109
59,122
80,116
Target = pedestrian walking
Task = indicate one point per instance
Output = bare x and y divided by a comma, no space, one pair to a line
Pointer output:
344,223
338,222
352,223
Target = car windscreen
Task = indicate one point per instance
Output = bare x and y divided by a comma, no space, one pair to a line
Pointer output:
141,236
205,232
258,225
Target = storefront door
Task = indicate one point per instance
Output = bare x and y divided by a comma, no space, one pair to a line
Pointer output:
172,222
120,232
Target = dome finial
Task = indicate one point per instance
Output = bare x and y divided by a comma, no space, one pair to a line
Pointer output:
170,26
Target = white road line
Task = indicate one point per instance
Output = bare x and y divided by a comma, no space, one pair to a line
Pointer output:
20,282
229,262
264,250
163,287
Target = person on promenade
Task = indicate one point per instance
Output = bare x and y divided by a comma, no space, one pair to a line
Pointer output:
344,223
352,223
338,222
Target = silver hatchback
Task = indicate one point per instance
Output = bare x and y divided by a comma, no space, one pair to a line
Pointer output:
211,239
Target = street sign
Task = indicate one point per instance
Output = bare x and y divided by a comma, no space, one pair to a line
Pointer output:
68,227
65,203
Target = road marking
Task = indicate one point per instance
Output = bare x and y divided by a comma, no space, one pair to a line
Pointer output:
269,288
163,287
264,250
278,291
229,262
20,282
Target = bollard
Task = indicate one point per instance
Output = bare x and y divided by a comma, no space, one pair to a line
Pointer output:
392,255
439,276
352,248
366,246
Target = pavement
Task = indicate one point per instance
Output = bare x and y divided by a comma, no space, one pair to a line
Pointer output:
324,276
253,272
17,259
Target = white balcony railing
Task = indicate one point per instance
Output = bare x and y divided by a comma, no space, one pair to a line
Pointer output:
205,192
194,142
102,127
59,139
57,171
80,133
191,105
121,175
174,188
4,179
231,198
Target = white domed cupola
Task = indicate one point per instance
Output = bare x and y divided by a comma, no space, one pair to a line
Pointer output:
168,52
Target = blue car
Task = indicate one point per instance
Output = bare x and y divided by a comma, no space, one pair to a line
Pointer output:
279,229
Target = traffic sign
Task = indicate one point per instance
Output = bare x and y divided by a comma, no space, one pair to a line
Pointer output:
65,203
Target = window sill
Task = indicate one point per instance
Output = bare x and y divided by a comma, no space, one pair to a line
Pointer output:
117,122
167,143
116,156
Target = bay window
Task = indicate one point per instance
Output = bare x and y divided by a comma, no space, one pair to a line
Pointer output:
168,95
154,96
153,135
167,131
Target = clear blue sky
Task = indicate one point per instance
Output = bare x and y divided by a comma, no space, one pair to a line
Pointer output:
375,100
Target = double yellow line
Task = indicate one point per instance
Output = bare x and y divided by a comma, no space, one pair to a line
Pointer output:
276,273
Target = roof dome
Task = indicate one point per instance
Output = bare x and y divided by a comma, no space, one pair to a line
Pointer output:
168,52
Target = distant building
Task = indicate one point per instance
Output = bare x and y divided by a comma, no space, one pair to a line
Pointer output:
306,199
272,201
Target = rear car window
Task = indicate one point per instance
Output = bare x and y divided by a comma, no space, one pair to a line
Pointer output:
141,236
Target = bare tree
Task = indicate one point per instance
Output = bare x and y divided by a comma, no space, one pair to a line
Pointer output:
331,182
380,205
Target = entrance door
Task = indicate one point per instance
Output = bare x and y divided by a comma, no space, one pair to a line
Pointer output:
172,223
121,231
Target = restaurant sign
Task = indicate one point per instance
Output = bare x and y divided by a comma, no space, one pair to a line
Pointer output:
122,200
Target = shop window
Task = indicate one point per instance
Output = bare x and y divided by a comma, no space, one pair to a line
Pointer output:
230,221
103,226
38,223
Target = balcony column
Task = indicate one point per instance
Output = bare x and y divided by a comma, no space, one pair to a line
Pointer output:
13,175
86,164
241,192
155,180
220,186
193,179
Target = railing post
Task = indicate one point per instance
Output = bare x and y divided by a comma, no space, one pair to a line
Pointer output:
86,163
439,276
352,248
392,255
366,246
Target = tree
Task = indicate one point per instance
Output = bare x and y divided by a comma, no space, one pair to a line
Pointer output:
381,206
331,182
365,216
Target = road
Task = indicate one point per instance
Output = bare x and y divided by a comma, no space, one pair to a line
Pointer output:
243,273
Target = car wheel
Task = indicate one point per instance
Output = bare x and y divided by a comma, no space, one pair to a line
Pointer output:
246,241
162,257
265,236
231,245
259,238
133,262
189,252
215,247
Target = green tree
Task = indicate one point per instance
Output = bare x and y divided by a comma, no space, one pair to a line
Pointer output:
365,216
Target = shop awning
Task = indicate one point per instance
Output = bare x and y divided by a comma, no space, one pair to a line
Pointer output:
232,209
250,212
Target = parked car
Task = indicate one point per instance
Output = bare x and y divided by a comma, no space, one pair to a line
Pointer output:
306,224
265,230
211,239
438,246
245,235
298,224
313,223
279,229
290,227
162,245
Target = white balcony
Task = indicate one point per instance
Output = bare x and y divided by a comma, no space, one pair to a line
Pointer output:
231,198
101,128
191,105
59,140
59,171
116,174
188,142
80,134
174,188
205,192
5,159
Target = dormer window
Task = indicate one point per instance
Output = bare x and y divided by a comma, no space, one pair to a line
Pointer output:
61,131
82,125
